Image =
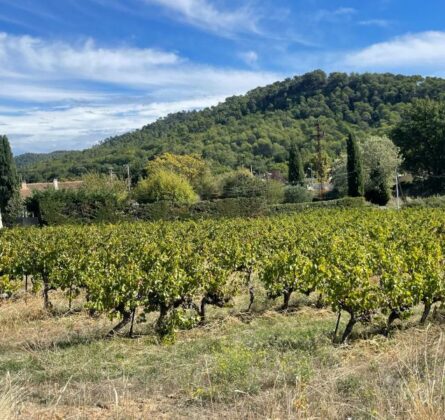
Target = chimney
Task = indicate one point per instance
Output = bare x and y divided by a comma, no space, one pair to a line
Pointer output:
56,184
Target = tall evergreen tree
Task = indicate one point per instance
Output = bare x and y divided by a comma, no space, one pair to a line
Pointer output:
8,173
356,187
379,192
296,171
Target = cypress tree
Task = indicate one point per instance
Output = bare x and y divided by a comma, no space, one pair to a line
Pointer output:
356,187
380,192
296,172
8,173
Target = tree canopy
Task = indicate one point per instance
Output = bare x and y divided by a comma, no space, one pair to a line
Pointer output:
165,186
421,138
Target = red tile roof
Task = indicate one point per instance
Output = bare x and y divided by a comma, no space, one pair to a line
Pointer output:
28,189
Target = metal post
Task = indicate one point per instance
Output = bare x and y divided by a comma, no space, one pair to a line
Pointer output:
397,191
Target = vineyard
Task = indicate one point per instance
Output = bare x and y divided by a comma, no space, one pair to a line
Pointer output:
360,263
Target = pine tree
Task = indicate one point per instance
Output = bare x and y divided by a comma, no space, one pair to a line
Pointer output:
356,186
296,172
8,173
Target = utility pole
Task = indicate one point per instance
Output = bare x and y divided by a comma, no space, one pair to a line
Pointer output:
127,166
1,222
397,190
319,136
111,175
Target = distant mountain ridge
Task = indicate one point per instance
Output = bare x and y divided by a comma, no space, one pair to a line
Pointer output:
254,130
27,159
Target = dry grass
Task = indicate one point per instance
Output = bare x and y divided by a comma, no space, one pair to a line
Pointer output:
10,399
266,366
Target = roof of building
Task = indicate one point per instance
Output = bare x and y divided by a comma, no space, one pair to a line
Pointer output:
27,189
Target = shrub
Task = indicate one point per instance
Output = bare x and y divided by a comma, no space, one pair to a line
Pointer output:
273,191
379,191
165,186
437,201
297,194
242,183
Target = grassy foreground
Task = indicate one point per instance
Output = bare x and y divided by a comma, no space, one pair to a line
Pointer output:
260,365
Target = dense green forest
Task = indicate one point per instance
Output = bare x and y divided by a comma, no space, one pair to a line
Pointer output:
255,130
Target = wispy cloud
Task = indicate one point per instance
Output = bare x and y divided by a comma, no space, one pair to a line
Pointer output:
40,130
36,57
204,14
382,23
335,15
249,57
31,59
425,49
70,95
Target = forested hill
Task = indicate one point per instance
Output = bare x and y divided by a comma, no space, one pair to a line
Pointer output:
255,129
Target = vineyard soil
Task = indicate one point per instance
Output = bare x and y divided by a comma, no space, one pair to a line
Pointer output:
267,364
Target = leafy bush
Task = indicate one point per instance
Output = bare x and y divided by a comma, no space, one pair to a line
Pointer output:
437,201
297,194
242,183
273,191
165,186
379,192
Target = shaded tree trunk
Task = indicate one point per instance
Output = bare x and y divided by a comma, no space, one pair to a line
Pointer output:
133,315
160,326
46,302
202,310
286,298
337,324
349,328
251,291
391,318
126,317
426,312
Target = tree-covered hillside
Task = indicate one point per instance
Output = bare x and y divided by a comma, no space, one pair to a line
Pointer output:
256,130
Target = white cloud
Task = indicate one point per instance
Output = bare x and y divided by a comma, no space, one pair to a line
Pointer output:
71,95
203,14
81,126
25,60
249,57
420,50
23,54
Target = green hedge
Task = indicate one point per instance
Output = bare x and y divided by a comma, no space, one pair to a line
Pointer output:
342,203
61,207
232,207
68,207
228,207
437,201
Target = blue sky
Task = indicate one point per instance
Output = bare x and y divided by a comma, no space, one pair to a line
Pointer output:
73,72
